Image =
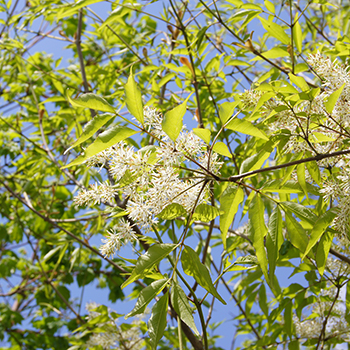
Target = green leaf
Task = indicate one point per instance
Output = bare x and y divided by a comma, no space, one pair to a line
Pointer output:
71,9
147,295
90,128
297,34
274,240
133,98
172,211
322,251
172,121
275,30
222,149
226,110
157,321
145,262
288,317
193,267
205,212
302,180
319,228
332,99
299,81
105,140
301,212
203,134
257,231
92,101
182,307
297,234
245,127
231,198
314,171
270,6
254,162
263,300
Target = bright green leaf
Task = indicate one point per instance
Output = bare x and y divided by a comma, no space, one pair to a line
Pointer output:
226,110
275,30
257,231
297,34
147,295
203,134
231,198
297,234
245,127
222,149
172,211
145,262
274,240
182,307
319,228
157,321
105,140
332,99
172,121
92,101
193,267
133,98
322,251
205,212
299,81
90,128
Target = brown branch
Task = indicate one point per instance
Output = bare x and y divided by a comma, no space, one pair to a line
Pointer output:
318,157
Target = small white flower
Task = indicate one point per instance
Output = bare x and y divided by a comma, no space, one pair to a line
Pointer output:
121,234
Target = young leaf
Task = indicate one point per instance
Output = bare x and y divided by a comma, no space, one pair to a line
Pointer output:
275,30
69,10
245,127
172,211
297,34
145,262
157,321
231,198
203,134
332,99
90,128
274,240
147,295
301,212
314,171
226,110
299,81
193,267
302,180
205,213
296,232
172,121
92,101
222,149
320,226
257,231
105,140
133,98
182,307
322,251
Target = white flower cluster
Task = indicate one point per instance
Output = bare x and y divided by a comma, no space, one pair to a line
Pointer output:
112,336
336,327
310,127
149,178
121,234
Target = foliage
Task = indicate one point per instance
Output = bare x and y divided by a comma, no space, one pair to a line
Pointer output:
211,138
